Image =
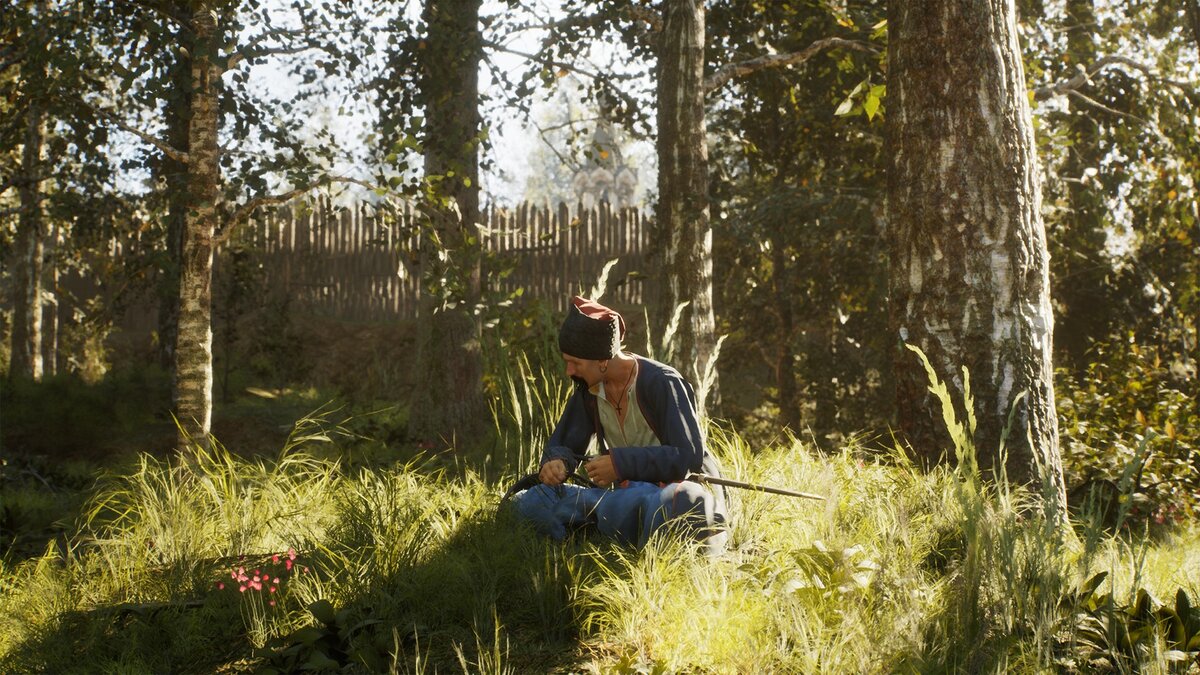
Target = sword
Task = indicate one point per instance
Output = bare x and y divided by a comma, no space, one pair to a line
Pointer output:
705,478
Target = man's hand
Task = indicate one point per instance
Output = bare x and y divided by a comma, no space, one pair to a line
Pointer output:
554,472
601,471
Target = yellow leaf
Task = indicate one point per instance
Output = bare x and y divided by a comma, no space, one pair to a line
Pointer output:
1141,418
1169,430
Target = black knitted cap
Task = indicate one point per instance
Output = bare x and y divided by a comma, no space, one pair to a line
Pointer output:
591,331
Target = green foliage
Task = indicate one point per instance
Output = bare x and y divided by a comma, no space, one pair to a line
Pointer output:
1118,636
1133,418
326,645
63,415
798,257
842,586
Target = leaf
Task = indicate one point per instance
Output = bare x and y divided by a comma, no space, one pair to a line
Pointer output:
322,610
308,635
1089,587
320,662
871,106
846,107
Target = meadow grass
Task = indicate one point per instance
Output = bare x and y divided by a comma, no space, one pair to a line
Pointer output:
410,568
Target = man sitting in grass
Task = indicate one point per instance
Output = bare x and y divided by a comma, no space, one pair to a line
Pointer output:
643,416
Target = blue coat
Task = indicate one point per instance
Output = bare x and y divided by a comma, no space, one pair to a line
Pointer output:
667,402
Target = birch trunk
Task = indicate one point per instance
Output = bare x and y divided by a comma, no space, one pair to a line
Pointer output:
193,348
175,173
683,237
969,280
30,241
448,401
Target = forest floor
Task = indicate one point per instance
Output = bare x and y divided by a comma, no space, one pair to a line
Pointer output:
383,560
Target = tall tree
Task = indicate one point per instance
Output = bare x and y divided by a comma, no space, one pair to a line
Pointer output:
1079,245
683,236
448,398
29,251
220,185
58,170
193,341
969,274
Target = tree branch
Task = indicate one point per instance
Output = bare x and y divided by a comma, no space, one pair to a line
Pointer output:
159,9
1083,76
562,65
10,56
633,105
166,148
242,55
246,210
652,18
728,72
1100,106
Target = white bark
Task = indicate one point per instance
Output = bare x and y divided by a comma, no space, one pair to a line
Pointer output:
970,269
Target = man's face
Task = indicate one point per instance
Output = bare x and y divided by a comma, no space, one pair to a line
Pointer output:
584,370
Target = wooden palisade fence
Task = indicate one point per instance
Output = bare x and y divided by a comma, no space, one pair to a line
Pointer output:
358,263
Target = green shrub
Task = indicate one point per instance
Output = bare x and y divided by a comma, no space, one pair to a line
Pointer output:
1134,412
64,415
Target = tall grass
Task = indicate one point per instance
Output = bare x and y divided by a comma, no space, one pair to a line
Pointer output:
898,571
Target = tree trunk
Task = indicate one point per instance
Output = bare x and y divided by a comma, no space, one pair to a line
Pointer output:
193,348
785,352
1078,243
1193,15
175,174
448,401
969,269
50,321
683,237
30,240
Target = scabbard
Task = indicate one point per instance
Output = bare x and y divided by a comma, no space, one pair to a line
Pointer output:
705,478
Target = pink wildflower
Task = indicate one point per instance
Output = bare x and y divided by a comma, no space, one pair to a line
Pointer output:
220,585
288,564
273,589
276,579
272,603
242,589
291,554
275,558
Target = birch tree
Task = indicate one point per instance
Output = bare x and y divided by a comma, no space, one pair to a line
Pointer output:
683,235
969,275
56,167
145,45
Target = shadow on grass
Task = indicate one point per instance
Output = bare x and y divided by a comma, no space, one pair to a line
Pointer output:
492,596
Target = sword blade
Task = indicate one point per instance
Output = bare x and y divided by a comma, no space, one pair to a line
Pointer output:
705,478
